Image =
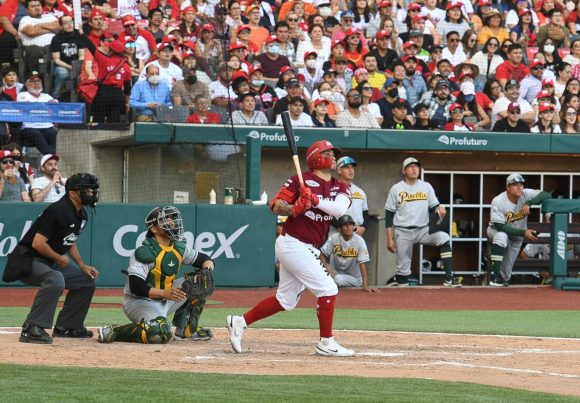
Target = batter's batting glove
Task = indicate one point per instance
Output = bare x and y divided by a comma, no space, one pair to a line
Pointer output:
307,193
300,206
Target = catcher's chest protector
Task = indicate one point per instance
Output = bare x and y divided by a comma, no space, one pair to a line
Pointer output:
167,262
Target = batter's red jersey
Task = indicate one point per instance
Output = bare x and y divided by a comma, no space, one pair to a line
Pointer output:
107,64
312,226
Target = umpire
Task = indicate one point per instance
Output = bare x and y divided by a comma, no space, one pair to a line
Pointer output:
40,259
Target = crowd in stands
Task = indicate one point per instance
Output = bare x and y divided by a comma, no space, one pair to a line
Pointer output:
459,65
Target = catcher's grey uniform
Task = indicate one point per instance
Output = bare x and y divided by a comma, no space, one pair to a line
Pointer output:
410,205
345,257
503,211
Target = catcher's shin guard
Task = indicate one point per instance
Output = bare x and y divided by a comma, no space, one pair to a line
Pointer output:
186,318
155,331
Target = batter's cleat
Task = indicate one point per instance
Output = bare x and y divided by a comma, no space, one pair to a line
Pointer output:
201,334
35,334
106,334
83,333
330,348
236,326
451,282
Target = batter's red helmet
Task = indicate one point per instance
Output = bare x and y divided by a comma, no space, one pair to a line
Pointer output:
317,161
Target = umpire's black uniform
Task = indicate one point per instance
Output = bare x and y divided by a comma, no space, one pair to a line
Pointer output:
61,223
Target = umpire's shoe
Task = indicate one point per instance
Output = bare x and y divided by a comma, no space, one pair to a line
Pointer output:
34,334
83,333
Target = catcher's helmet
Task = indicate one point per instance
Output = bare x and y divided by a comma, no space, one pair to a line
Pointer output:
87,185
169,219
314,156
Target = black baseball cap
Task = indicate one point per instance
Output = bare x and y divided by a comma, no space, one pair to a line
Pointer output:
345,220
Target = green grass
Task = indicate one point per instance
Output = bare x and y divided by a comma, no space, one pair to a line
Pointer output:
520,323
20,383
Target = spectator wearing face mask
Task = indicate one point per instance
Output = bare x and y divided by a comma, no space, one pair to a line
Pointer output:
271,61
148,94
311,71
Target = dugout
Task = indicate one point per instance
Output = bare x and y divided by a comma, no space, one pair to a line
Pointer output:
144,164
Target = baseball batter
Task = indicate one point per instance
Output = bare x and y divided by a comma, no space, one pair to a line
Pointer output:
310,210
508,226
408,205
152,291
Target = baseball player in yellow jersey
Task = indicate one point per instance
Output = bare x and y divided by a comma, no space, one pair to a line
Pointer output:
152,291
407,221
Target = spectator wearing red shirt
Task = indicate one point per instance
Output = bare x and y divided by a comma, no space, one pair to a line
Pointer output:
8,34
512,68
171,5
56,8
97,24
114,75
202,113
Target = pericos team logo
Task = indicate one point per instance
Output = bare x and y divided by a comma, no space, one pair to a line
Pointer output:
276,137
461,141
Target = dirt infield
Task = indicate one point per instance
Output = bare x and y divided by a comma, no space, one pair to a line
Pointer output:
531,363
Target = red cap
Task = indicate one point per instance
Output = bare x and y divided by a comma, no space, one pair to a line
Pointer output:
116,46
188,9
408,44
319,101
547,82
307,54
107,35
286,69
5,154
454,4
454,106
95,12
254,69
272,38
351,31
546,106
359,71
129,20
483,3
524,11
382,34
418,17
465,74
406,58
163,45
168,38
300,77
207,27
543,94
512,106
236,45
414,6
187,53
536,62
244,27
385,3
336,42
128,39
188,44
239,74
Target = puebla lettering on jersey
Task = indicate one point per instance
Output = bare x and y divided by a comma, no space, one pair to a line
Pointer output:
348,252
357,195
410,197
513,216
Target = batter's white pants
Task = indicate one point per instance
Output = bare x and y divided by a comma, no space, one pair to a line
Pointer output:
138,309
513,244
300,268
405,238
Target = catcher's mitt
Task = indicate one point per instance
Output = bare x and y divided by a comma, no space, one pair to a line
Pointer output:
198,284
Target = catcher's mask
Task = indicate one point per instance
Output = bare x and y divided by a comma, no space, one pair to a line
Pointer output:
169,219
88,187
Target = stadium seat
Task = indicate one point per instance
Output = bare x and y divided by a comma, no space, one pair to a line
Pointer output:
171,114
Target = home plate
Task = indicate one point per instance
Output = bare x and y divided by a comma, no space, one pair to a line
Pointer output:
379,354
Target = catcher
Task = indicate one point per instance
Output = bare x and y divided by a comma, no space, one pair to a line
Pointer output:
152,291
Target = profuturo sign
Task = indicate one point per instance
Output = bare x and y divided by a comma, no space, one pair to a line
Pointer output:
461,141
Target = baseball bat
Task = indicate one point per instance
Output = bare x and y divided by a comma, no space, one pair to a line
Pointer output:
292,144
